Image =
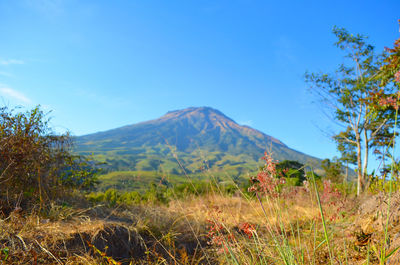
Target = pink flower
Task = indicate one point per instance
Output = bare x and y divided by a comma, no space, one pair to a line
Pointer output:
397,76
389,101
247,228
267,180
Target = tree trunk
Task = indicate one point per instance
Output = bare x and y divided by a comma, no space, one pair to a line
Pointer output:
365,166
359,166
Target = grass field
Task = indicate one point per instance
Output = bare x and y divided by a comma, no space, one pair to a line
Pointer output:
300,225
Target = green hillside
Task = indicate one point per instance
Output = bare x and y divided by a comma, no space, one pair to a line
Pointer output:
201,139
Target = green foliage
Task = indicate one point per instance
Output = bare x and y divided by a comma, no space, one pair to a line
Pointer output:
346,188
140,181
333,169
314,175
390,70
161,194
347,148
36,164
391,170
80,173
346,94
4,253
379,184
293,171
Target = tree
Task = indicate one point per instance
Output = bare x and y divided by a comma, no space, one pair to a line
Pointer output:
388,75
333,169
390,70
346,94
36,164
348,150
292,171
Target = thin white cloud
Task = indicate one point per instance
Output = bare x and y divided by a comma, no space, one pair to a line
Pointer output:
11,61
6,74
14,94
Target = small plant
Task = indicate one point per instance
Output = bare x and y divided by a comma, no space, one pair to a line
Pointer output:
103,254
267,182
4,253
36,164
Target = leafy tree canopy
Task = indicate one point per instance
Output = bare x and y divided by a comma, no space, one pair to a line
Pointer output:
346,96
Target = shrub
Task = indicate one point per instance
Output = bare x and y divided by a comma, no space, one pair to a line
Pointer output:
37,164
267,180
292,171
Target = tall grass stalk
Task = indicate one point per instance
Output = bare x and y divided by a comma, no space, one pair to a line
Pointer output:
322,217
281,241
383,256
345,253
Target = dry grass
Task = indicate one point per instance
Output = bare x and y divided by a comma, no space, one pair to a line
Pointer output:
293,221
139,232
235,210
179,233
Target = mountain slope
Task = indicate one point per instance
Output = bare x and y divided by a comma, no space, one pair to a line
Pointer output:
201,138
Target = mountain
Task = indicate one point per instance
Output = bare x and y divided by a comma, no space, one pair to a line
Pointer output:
200,138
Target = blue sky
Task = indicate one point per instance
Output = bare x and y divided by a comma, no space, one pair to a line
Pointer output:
103,64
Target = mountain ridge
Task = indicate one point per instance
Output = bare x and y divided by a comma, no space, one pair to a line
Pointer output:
195,134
